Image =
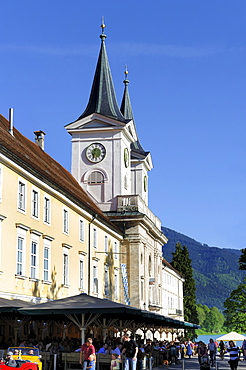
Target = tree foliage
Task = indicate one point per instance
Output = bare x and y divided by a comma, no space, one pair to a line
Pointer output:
236,309
182,262
235,305
210,319
242,260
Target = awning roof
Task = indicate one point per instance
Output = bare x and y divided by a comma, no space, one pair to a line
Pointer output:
12,305
86,304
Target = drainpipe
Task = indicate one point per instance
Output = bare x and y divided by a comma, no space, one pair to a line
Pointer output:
89,254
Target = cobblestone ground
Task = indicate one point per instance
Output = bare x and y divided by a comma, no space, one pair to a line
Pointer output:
192,363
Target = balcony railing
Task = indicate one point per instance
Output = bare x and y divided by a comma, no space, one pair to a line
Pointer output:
134,203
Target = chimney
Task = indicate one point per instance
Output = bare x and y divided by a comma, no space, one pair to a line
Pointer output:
11,121
39,138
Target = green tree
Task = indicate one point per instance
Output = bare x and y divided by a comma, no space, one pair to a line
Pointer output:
235,309
214,321
242,260
202,312
181,261
235,305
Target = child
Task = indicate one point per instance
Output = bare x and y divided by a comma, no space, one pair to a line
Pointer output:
115,362
91,362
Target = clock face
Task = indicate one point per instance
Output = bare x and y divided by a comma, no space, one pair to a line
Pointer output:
95,152
126,157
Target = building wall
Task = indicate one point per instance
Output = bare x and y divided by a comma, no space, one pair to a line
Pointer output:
66,252
172,293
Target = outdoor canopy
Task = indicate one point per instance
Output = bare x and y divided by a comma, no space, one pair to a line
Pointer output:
86,304
12,305
232,336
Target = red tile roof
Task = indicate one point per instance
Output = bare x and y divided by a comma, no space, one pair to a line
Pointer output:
166,263
33,158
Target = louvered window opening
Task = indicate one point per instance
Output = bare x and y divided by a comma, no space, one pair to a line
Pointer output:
96,178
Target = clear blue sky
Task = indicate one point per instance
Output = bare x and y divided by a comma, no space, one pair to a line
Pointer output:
187,72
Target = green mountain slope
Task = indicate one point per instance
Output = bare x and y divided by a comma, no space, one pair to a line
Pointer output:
215,269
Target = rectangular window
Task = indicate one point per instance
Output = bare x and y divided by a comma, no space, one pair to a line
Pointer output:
46,264
65,221
115,250
115,285
33,260
142,290
20,250
94,238
81,230
34,203
21,196
106,281
46,210
81,274
106,244
65,269
95,280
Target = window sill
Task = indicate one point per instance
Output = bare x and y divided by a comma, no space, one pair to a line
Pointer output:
46,282
33,279
21,277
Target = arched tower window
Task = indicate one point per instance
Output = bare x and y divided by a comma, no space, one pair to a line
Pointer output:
95,185
96,177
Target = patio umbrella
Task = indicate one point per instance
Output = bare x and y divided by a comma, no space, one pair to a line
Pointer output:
232,336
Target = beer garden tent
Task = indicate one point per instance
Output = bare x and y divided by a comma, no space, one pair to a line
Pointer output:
84,311
232,336
10,314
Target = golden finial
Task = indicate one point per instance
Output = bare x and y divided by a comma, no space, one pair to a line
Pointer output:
126,74
103,25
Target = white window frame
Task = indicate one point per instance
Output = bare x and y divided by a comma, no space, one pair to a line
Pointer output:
94,236
116,284
35,203
21,235
65,265
95,279
47,209
46,263
20,256
65,221
106,280
81,272
106,244
81,230
33,259
116,250
21,195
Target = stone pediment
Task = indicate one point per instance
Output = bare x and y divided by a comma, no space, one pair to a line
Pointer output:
95,121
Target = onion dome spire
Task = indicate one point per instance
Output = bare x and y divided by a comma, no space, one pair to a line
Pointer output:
102,97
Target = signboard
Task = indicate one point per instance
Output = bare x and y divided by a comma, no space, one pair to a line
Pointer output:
125,283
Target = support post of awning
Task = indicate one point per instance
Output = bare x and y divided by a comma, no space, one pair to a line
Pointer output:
83,328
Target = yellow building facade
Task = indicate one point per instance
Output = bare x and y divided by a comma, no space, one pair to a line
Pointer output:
55,242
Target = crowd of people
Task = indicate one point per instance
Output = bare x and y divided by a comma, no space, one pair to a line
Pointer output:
134,352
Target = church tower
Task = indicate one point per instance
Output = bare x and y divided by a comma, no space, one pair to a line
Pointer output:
107,158
110,164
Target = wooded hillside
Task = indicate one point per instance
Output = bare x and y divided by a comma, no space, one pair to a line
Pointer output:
215,269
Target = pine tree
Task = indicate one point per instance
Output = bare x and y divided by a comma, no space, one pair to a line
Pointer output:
242,260
182,262
235,305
